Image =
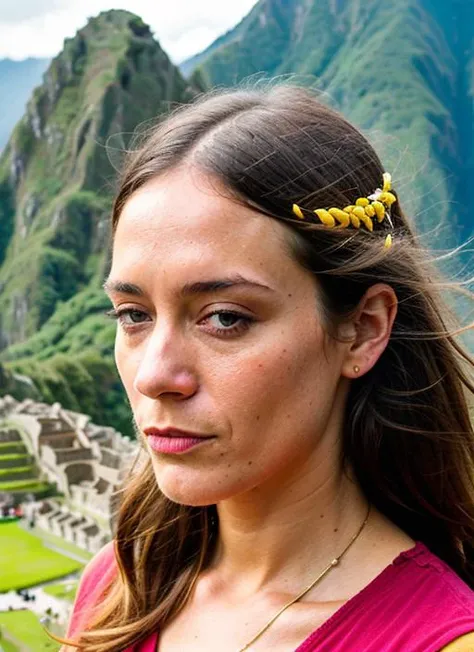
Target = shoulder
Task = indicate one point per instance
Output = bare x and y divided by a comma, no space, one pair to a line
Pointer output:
96,577
417,603
438,605
438,586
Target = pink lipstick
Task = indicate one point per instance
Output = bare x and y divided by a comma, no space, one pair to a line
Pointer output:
173,441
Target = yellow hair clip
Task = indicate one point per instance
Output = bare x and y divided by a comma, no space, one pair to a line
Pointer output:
363,212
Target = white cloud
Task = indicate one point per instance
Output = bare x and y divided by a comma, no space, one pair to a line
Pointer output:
183,27
14,12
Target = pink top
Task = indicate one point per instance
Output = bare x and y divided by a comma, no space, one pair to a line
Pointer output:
417,604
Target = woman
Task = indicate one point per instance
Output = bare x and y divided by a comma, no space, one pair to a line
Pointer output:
297,392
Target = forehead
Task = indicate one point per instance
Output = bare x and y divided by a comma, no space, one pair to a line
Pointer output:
185,220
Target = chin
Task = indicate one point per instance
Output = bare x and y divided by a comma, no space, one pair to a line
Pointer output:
196,488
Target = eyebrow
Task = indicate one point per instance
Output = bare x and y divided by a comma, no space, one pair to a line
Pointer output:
189,289
120,287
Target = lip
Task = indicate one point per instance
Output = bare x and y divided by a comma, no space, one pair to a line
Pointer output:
173,440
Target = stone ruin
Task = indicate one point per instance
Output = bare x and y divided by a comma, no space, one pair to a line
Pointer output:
86,462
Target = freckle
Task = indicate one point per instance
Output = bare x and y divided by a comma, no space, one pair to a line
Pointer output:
321,516
260,365
258,417
229,465
290,295
284,350
336,530
221,454
250,463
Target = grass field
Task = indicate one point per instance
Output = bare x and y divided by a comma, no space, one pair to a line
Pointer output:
6,646
24,485
12,447
24,627
13,456
16,469
63,545
63,590
25,561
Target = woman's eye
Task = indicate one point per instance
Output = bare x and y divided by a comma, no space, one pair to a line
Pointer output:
128,316
225,319
227,322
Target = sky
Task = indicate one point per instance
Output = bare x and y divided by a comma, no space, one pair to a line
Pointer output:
37,28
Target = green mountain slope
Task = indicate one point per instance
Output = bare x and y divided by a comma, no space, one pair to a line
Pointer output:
56,186
401,71
17,80
55,174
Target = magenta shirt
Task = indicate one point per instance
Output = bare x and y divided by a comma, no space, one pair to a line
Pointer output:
417,604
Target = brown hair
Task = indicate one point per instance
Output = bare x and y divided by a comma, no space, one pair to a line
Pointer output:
407,435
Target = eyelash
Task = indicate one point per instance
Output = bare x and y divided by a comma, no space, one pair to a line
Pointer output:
243,324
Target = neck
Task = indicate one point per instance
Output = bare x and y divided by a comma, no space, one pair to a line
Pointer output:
289,529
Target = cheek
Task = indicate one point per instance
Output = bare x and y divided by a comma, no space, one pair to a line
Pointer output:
287,389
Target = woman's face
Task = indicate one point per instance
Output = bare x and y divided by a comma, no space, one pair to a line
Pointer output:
220,335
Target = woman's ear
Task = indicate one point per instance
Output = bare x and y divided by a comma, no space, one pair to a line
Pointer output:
371,329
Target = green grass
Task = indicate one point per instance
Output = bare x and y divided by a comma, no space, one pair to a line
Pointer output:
24,485
6,646
25,560
62,544
14,456
16,469
63,590
25,627
13,449
6,444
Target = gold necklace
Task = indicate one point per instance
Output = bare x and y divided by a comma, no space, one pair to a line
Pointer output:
334,562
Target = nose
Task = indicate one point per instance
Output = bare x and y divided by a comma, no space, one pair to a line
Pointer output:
166,368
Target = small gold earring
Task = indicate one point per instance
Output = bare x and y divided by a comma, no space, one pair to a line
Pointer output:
356,369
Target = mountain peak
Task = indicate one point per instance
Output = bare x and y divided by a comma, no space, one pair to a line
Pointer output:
108,22
55,174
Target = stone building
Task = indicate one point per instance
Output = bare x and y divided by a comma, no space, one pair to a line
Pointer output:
85,462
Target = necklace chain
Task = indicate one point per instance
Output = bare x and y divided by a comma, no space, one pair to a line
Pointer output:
321,575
